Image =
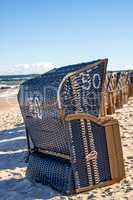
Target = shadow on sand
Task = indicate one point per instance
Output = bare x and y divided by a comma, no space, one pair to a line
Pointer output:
13,183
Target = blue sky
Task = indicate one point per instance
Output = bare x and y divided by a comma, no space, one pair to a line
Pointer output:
64,32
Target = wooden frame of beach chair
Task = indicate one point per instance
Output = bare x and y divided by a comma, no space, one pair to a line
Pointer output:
110,95
130,83
119,91
104,102
114,81
124,87
105,96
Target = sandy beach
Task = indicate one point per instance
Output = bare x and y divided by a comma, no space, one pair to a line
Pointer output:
13,149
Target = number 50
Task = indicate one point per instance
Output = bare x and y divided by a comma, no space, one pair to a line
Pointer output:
89,82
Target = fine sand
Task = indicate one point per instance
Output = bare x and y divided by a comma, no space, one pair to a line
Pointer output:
15,186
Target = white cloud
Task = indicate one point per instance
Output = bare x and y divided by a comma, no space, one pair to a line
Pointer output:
19,69
119,67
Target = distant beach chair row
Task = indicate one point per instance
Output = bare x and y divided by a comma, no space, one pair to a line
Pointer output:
118,87
73,145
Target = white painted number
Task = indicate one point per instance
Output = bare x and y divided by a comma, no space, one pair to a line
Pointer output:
88,82
96,81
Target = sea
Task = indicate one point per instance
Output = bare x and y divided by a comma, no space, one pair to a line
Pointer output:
9,84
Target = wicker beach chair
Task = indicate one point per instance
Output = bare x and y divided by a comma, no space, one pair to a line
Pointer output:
114,83
130,80
110,93
104,100
119,103
124,87
71,146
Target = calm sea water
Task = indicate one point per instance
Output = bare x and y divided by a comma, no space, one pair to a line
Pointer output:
9,85
13,80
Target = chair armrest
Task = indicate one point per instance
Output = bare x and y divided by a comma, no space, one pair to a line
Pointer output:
83,116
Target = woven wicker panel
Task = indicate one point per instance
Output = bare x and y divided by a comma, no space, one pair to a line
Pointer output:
81,92
101,147
89,139
49,134
43,122
50,170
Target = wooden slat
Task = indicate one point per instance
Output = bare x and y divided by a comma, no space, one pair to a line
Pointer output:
119,153
99,120
81,116
99,185
52,153
103,105
109,122
111,152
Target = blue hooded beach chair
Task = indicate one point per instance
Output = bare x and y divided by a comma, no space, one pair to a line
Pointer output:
72,147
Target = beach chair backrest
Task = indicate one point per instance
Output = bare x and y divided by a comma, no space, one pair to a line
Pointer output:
81,91
38,99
